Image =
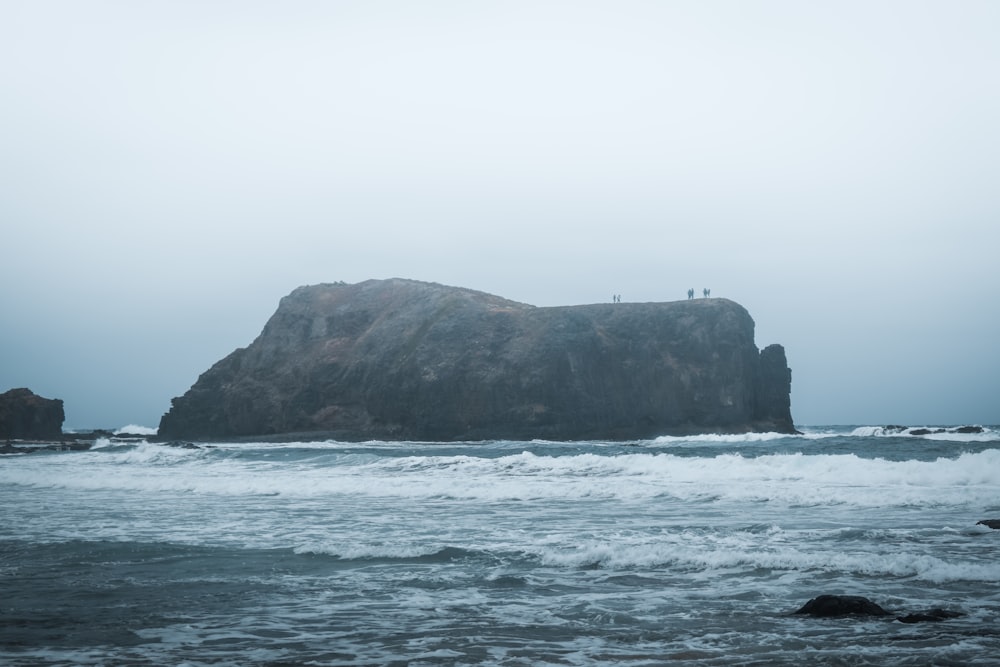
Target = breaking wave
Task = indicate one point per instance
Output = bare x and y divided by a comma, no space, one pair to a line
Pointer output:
798,479
973,433
135,429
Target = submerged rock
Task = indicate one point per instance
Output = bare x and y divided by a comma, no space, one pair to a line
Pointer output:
24,415
180,445
930,616
62,446
841,605
990,523
406,360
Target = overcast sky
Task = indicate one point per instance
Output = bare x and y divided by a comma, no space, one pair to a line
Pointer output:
169,170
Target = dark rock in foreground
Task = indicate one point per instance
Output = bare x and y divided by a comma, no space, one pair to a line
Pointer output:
830,606
26,415
406,360
841,605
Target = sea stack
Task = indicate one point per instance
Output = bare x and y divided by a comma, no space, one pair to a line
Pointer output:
24,415
407,360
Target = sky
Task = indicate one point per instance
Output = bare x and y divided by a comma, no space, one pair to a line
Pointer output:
170,169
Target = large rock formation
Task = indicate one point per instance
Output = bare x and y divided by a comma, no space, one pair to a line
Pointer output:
406,360
25,415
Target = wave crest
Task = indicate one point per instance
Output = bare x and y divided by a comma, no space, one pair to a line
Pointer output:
135,429
971,433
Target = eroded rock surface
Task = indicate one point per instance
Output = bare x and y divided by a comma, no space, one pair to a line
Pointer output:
407,360
24,415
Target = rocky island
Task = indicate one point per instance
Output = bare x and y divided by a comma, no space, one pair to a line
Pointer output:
24,415
407,360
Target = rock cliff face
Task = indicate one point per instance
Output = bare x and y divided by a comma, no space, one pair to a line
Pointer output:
406,360
25,415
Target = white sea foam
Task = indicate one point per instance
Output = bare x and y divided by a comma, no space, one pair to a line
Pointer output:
577,553
795,479
715,553
819,433
945,433
356,551
700,553
101,443
135,429
721,438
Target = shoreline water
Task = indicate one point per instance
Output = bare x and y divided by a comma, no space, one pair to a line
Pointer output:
685,550
83,436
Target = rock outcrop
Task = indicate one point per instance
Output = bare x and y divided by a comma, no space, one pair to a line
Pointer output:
407,360
920,431
24,415
830,606
930,616
826,606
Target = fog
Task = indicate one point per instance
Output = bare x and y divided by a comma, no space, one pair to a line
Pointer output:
170,170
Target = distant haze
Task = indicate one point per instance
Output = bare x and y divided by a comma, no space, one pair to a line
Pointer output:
170,170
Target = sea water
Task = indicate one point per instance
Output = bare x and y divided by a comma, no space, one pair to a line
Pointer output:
673,551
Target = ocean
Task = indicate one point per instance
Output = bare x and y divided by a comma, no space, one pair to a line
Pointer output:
672,551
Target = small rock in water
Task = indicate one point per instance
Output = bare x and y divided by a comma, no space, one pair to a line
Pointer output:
990,523
841,605
931,615
181,444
